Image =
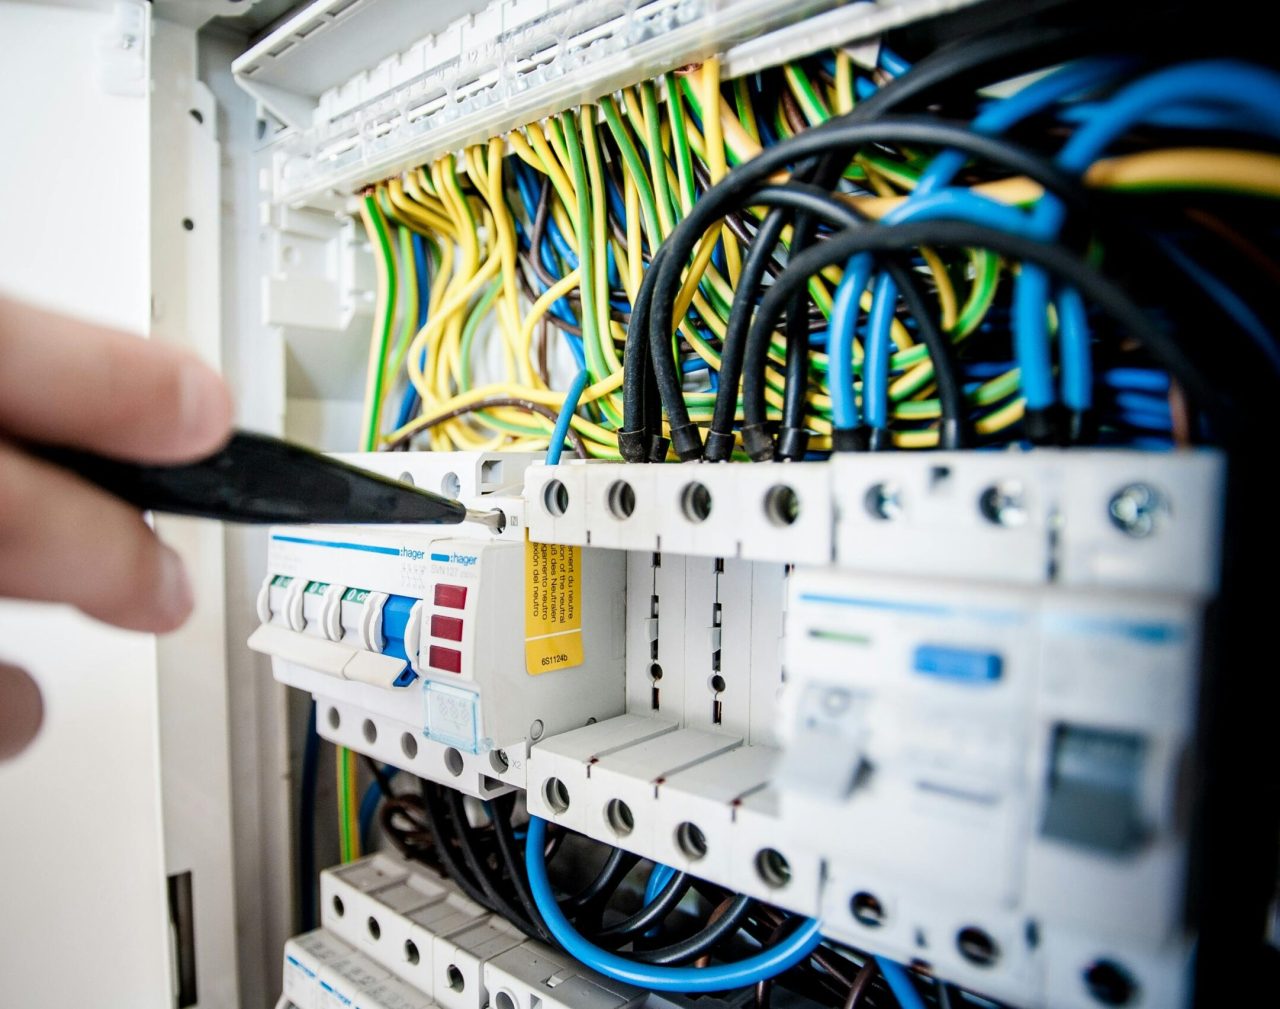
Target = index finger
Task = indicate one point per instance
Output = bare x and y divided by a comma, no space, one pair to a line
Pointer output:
72,383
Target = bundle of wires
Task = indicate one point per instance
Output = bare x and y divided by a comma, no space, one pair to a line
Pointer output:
817,266
687,935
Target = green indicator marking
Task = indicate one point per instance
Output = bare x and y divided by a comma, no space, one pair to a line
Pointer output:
280,581
316,588
841,636
355,595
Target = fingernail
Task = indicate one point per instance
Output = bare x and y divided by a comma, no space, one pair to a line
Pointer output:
176,597
21,710
205,409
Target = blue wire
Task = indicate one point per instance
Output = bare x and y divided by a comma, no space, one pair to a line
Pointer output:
1182,117
948,204
1146,421
561,429
1140,402
903,990
526,183
1213,83
422,273
561,246
369,804
995,118
659,876
1077,360
892,63
720,977
1136,378
982,370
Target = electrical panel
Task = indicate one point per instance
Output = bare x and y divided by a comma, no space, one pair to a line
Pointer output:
848,400
943,703
997,762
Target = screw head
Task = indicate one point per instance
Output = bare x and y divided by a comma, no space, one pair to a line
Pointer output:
1004,504
836,701
884,501
1137,510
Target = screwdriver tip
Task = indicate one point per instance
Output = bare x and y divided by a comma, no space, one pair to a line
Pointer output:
494,518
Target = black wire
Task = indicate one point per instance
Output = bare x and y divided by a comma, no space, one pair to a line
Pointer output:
1064,265
816,202
435,816
703,941
952,426
383,779
637,375
587,906
479,865
511,856
307,825
663,903
735,190
719,446
793,438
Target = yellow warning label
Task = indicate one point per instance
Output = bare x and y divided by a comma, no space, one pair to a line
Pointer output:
552,607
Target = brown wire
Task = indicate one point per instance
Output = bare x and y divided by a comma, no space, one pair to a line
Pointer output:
792,112
539,230
544,338
527,287
1179,415
489,403
860,984
764,987
712,918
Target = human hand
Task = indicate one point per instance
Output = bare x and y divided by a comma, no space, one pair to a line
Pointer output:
62,539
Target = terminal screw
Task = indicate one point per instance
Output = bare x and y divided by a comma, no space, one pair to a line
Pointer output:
1137,509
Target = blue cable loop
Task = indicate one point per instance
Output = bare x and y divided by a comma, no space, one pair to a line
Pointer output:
719,977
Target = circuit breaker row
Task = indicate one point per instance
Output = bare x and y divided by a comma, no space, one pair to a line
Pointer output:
906,694
395,935
1116,519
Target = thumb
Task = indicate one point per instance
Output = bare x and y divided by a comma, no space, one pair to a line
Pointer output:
21,710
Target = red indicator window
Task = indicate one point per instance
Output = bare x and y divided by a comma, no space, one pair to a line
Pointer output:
452,596
448,659
449,628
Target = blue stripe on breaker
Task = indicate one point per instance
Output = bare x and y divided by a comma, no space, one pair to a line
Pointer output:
339,545
923,609
960,665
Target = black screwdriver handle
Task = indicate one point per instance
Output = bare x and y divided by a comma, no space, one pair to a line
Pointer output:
260,479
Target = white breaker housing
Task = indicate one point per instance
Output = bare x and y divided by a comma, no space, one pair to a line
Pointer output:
943,701
413,639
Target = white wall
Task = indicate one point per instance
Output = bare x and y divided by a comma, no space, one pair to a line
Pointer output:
83,917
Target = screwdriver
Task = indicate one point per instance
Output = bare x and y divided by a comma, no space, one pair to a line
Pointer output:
256,478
